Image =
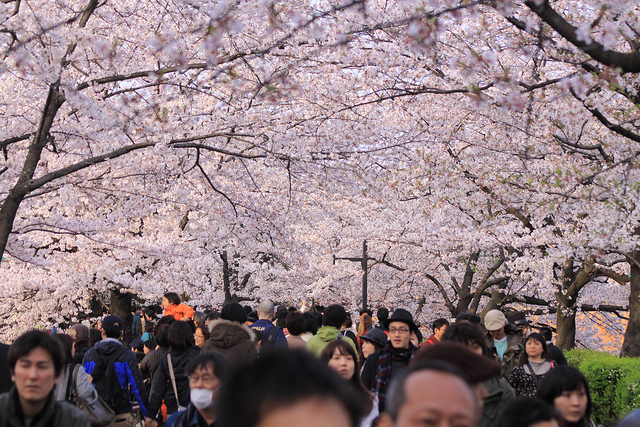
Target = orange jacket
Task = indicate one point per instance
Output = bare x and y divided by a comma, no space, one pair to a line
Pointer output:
179,311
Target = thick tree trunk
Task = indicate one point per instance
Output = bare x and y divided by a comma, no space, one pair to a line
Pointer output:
566,325
465,296
226,277
631,344
566,313
121,307
572,283
22,188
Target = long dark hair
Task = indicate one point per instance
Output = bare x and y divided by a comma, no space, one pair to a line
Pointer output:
66,343
524,359
343,347
180,337
564,378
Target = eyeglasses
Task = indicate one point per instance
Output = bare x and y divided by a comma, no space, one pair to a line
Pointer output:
206,379
399,330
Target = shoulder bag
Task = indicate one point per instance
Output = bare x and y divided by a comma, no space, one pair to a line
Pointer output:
173,382
100,413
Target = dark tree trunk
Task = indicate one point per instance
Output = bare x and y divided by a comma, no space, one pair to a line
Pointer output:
566,325
566,314
23,186
465,296
121,307
573,280
631,344
96,307
226,277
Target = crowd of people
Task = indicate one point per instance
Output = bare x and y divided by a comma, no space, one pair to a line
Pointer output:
239,367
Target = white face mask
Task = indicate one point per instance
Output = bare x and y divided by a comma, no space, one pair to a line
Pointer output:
202,398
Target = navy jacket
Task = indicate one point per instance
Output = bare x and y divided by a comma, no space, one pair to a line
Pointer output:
264,326
127,371
188,418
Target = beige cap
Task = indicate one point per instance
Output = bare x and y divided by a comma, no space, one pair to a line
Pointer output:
494,320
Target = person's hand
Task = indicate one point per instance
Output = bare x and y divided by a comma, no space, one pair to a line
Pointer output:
150,422
89,378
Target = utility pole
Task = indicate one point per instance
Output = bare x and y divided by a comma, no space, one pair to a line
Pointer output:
364,261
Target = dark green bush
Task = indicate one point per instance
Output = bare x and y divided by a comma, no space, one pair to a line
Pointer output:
614,383
627,397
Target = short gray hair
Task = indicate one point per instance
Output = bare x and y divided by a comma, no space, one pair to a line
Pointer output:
199,318
266,308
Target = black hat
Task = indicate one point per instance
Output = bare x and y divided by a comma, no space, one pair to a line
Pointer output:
112,325
401,315
376,336
252,316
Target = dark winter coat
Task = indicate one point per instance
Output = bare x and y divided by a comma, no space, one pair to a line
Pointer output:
5,375
151,362
554,353
514,349
233,340
57,414
499,393
162,386
187,418
78,357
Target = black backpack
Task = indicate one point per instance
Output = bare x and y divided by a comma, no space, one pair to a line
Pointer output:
110,389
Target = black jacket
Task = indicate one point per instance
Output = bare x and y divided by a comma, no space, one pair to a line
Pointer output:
54,413
554,353
162,386
5,375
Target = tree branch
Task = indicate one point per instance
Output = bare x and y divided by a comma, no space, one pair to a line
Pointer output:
5,143
218,150
622,279
37,183
485,283
565,141
628,62
424,90
447,301
613,127
206,177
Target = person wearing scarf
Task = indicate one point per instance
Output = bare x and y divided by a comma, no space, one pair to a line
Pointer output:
381,367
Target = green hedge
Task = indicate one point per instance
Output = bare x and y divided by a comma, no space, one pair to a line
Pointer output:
614,383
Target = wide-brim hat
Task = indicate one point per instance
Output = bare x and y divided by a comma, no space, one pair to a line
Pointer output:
376,336
401,315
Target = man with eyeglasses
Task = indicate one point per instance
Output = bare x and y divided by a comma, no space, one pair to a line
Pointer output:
381,367
207,372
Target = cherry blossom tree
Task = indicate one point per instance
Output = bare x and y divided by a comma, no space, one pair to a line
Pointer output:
232,149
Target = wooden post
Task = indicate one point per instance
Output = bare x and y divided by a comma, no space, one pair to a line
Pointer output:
365,269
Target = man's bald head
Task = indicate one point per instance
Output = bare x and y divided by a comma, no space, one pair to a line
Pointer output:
266,310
